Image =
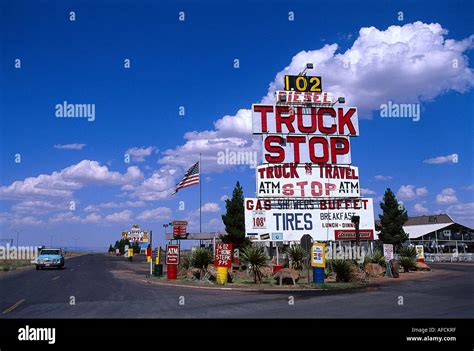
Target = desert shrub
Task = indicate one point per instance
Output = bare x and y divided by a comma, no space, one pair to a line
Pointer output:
297,256
343,269
407,263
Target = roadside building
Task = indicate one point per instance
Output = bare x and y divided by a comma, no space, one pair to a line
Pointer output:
439,234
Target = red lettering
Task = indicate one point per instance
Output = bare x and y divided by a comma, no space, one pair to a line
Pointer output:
311,128
330,187
274,149
345,119
288,120
316,188
335,151
296,141
312,154
301,185
263,109
287,190
322,127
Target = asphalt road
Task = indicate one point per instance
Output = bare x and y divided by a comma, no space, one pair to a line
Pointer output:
97,284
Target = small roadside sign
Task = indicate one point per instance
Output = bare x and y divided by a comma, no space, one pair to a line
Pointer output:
172,254
318,255
388,251
223,256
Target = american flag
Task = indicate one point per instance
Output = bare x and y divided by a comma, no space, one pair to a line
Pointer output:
191,177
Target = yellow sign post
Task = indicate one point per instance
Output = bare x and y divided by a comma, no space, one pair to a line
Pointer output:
318,261
318,255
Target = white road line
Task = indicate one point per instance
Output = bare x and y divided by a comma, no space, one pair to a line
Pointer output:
56,277
11,308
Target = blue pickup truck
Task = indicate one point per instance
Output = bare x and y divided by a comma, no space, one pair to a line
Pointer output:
50,258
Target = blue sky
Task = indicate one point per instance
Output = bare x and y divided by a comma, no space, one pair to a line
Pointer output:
190,63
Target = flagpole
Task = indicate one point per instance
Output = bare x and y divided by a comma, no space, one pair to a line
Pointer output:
200,193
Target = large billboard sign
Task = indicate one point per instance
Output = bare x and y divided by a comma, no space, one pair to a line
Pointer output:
289,220
306,149
307,181
314,120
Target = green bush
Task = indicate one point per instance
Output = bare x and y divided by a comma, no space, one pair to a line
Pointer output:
407,251
343,270
185,261
376,257
407,263
200,258
254,257
297,256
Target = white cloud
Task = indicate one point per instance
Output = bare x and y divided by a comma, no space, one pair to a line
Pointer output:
139,153
419,208
409,192
365,191
210,207
382,177
463,213
69,146
421,191
15,220
70,217
123,216
231,133
224,197
40,206
65,217
98,207
408,64
447,196
69,179
441,159
214,225
155,215
92,218
157,187
469,187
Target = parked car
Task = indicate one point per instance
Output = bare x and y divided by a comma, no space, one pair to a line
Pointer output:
50,258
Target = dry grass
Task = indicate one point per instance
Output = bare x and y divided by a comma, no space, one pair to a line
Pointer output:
9,265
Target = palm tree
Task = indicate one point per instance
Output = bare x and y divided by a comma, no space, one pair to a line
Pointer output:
297,256
255,258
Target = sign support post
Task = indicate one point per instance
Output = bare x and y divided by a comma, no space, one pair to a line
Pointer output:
151,248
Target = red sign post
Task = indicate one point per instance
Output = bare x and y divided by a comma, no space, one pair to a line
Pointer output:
172,254
223,256
172,261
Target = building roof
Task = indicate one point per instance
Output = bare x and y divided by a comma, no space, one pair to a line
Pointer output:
432,219
415,231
